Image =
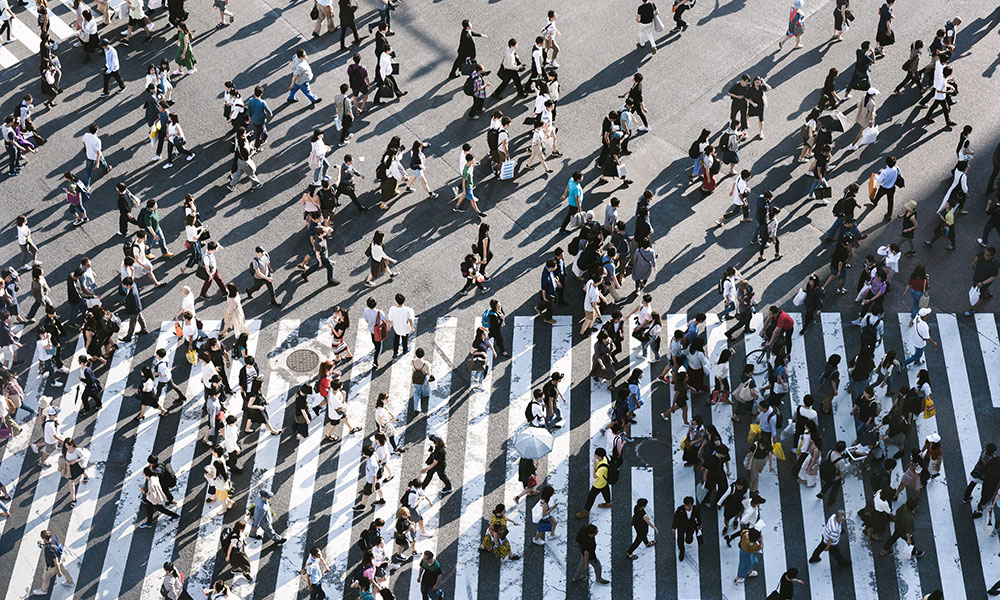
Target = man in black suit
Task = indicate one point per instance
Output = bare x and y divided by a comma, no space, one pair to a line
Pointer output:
381,39
466,47
133,307
686,525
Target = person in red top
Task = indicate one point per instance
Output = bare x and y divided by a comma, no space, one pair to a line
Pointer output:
778,323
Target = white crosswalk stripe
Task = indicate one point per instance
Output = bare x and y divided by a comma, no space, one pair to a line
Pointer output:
537,351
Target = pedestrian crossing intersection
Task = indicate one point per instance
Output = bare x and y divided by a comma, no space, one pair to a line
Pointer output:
25,40
317,483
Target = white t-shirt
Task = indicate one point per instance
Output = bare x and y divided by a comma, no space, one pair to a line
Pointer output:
378,253
371,469
49,432
335,405
590,297
187,305
191,233
400,316
92,143
740,189
920,333
22,234
190,332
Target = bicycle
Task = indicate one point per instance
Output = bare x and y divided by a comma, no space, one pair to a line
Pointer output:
760,359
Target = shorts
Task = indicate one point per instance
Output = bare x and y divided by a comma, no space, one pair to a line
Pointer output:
418,173
589,315
360,90
136,23
545,525
220,4
221,495
468,194
49,449
369,488
334,420
833,271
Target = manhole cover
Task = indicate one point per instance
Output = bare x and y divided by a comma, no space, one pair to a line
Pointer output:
652,452
302,361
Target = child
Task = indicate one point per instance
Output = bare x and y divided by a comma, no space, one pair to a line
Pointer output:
721,391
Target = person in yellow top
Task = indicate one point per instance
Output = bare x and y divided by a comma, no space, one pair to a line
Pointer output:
602,468
946,228
751,544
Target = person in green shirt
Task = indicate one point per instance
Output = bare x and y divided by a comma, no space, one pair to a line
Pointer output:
468,186
149,219
946,228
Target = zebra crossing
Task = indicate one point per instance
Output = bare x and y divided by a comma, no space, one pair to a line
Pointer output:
317,483
24,40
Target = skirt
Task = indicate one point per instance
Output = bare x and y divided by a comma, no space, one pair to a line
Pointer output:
149,399
545,525
75,471
377,268
729,157
255,415
339,346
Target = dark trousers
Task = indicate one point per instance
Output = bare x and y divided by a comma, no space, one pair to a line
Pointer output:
439,471
124,219
118,79
396,339
344,26
910,78
316,592
88,395
545,308
834,552
350,193
325,262
944,108
641,537
477,106
892,540
152,509
993,176
833,486
257,283
742,322
459,61
194,255
345,127
939,231
637,110
738,108
5,27
259,134
990,226
684,537
231,459
378,350
387,84
160,386
889,194
509,76
178,145
570,211
605,493
497,337
13,157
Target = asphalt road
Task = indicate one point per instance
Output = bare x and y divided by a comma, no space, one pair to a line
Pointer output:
685,91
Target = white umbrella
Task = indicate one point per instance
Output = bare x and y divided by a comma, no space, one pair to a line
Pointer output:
533,442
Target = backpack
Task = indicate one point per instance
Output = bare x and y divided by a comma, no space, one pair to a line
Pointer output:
611,473
56,546
693,151
469,87
226,537
804,133
617,451
144,216
529,415
492,139
380,171
486,317
869,335
779,420
72,296
128,248
827,468
167,476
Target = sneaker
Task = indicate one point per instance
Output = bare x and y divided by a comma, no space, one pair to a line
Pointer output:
230,188
38,592
537,541
554,64
981,242
190,157
918,553
168,165
446,491
144,525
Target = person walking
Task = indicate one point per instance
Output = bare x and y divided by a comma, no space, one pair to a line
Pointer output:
430,577
601,485
346,186
133,307
260,114
920,335
154,498
263,275
111,65
209,270
468,187
466,48
301,76
385,79
185,56
95,157
984,272
586,541
400,319
830,541
686,525
379,261
645,17
53,551
887,180
344,111
347,8
904,527
324,12
751,544
510,70
796,27
242,163
641,523
316,567
479,85
435,466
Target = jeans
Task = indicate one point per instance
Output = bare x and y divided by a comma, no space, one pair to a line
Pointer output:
259,134
834,231
420,391
194,254
655,343
13,158
582,567
320,171
384,16
817,182
88,170
915,358
160,239
748,560
305,90
915,295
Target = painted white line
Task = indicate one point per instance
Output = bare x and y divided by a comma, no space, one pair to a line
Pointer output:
989,342
437,424
600,402
644,567
643,428
512,572
473,488
25,35
967,423
13,451
59,30
99,445
688,570
46,489
346,492
554,581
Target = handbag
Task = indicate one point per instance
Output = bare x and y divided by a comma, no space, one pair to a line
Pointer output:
536,512
753,434
779,452
314,13
202,273
507,170
743,393
872,186
658,24
622,171
6,433
381,329
466,67
395,68
925,299
800,297
929,410
178,329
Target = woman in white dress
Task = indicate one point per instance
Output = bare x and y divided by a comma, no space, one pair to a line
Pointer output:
809,447
234,320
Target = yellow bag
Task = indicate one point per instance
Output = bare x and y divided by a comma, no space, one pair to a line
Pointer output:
684,443
754,433
191,356
778,451
154,130
872,186
929,410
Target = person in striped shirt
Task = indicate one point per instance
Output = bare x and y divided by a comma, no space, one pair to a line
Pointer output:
831,539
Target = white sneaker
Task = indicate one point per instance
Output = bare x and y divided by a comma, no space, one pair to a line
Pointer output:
168,165
537,542
38,592
190,157
554,64
155,158
981,242
644,128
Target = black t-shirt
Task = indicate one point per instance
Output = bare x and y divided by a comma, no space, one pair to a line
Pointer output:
635,93
438,455
739,90
432,572
646,10
840,255
587,542
550,392
985,268
639,520
862,63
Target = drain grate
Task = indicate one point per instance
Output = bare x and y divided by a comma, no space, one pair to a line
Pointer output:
302,361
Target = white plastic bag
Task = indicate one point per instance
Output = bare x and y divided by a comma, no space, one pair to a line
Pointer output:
907,551
869,135
800,297
973,295
536,512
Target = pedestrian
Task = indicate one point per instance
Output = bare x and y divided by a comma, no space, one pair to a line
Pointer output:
154,498
479,86
944,87
912,68
172,586
468,187
323,11
430,576
242,163
222,6
378,260
219,481
346,185
641,523
111,65
421,379
133,307
984,272
646,17
493,318
550,284
830,541
301,76
495,540
976,475
865,118
686,525
751,544
574,198
185,56
946,226
347,8
314,571
260,114
209,270
126,202
786,588
585,539
95,156
343,107
357,76
772,235
385,79
466,48
511,66
842,17
601,470
884,35
263,275
796,27
52,550
436,466
400,320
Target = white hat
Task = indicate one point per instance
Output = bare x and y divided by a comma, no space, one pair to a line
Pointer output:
924,311
934,438
873,91
52,411
797,4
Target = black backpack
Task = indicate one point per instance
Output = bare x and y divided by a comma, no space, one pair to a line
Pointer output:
611,474
869,335
693,151
167,476
72,296
469,87
128,248
828,468
226,537
380,171
492,139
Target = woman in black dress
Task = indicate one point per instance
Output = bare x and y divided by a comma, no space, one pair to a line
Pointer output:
884,36
841,20
147,394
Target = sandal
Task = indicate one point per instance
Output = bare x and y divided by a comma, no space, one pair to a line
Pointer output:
355,430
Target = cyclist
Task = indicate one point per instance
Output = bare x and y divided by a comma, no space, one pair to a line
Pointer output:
778,326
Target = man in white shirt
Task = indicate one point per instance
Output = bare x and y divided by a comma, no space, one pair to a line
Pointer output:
831,539
161,374
920,334
384,78
538,60
325,8
315,568
510,71
550,33
942,88
211,269
372,484
95,154
401,320
887,179
739,195
301,76
111,65
373,315
28,249
592,298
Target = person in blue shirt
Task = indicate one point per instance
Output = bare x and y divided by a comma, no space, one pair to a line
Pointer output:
260,114
574,196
